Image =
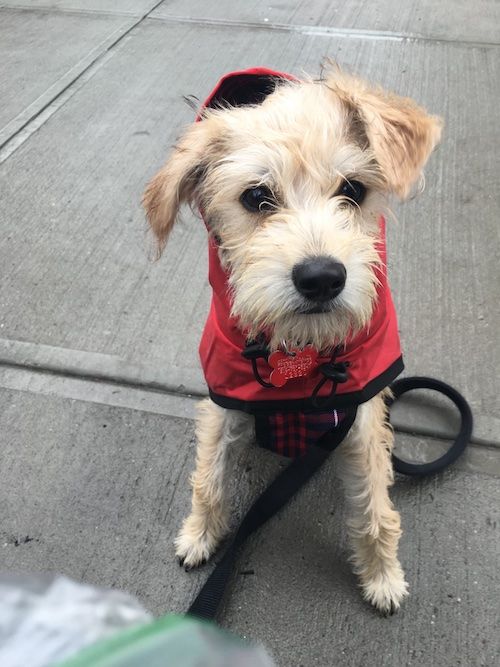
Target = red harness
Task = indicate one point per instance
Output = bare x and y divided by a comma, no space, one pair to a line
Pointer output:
371,359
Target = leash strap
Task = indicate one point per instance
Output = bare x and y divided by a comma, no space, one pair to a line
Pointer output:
295,476
400,387
277,494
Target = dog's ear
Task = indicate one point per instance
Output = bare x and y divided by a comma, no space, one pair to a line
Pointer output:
401,134
176,182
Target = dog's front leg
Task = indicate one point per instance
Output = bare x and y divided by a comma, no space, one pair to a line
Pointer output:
216,430
373,524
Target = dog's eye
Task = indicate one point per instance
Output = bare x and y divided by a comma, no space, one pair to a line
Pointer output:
353,190
258,199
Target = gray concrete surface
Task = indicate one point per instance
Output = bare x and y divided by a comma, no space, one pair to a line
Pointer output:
39,61
98,346
456,20
97,492
90,287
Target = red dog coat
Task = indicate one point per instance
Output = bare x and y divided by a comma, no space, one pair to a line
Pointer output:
301,411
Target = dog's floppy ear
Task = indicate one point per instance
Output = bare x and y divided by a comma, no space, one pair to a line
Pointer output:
401,134
177,181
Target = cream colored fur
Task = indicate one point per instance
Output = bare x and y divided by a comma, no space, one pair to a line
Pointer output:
302,143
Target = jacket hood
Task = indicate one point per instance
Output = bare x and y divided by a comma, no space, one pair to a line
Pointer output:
372,357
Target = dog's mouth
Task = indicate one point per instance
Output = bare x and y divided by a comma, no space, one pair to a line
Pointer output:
315,309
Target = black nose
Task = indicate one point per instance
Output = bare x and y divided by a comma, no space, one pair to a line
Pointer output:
319,278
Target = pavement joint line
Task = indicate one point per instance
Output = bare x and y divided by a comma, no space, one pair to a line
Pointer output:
477,458
176,382
101,392
40,117
89,65
55,96
121,380
48,9
98,366
439,434
322,31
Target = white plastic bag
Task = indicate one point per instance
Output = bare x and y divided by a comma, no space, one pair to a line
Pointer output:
44,620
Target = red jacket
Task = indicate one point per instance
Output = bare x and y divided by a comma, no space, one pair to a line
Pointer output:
374,354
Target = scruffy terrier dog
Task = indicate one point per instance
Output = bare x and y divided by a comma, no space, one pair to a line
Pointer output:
292,179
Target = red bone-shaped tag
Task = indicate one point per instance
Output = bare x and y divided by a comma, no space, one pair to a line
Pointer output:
298,364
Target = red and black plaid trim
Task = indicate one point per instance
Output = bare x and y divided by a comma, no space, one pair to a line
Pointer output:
291,433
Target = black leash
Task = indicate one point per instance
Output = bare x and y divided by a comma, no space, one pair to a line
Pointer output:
295,476
277,494
400,387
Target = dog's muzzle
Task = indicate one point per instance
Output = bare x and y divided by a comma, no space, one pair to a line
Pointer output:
319,280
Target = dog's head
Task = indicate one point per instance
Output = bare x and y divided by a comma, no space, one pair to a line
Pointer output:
293,188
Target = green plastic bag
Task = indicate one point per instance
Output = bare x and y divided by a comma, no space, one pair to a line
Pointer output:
172,641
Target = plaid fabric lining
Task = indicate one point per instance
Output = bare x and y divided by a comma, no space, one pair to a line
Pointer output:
291,433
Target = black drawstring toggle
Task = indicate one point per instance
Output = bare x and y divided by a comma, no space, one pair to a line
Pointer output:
256,349
335,371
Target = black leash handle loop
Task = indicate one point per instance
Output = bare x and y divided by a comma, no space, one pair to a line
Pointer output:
400,387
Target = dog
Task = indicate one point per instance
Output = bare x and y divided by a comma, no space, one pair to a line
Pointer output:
292,178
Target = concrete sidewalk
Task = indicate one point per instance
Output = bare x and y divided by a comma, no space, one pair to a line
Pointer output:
98,347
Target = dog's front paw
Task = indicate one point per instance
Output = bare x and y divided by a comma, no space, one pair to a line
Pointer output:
195,543
386,590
